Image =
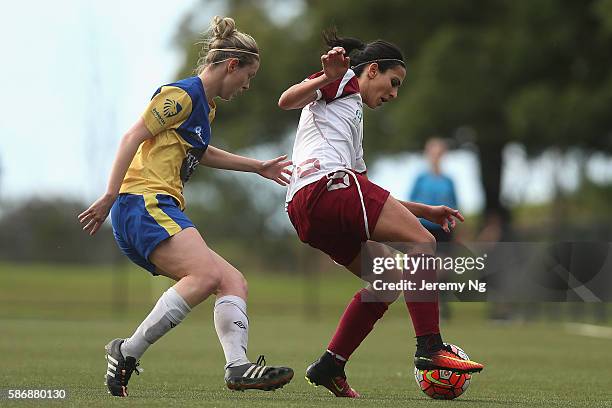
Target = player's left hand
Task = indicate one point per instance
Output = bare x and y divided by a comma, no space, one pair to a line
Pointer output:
276,170
444,216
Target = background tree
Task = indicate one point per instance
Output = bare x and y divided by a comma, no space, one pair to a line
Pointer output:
481,72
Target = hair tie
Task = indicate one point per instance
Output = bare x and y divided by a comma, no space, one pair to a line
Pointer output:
380,60
234,50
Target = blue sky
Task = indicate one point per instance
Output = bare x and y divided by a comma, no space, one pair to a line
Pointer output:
78,74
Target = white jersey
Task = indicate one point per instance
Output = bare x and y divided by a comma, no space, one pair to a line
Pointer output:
329,135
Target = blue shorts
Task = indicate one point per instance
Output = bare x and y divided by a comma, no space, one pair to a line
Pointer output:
142,221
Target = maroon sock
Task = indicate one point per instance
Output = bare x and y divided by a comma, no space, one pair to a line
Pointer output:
425,317
355,324
423,305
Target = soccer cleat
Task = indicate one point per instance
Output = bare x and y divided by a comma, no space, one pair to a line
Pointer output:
445,359
257,376
326,371
119,369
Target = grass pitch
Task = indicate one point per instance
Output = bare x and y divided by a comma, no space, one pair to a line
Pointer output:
55,322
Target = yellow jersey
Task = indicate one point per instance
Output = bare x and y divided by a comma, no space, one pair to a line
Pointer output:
179,118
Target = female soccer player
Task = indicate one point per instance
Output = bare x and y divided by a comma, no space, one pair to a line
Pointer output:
335,208
156,157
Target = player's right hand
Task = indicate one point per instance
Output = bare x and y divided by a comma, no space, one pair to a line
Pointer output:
335,63
92,218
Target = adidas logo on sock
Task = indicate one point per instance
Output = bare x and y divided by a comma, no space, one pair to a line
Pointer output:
240,324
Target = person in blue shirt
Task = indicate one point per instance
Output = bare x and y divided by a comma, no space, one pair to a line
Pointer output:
434,188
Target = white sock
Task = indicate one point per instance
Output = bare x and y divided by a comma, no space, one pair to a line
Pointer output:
168,312
232,325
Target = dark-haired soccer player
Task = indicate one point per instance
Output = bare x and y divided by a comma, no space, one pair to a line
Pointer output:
335,208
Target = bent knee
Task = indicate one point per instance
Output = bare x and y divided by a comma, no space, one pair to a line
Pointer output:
240,283
233,283
207,280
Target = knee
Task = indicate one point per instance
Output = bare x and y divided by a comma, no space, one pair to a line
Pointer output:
390,296
207,281
242,285
233,283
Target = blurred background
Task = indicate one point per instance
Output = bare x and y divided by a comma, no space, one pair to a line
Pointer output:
519,92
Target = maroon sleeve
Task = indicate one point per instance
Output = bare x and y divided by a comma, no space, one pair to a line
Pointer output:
330,91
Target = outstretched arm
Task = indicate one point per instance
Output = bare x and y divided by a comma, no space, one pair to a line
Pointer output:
93,218
275,169
417,209
439,214
335,64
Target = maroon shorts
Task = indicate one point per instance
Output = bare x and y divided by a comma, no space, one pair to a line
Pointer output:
329,214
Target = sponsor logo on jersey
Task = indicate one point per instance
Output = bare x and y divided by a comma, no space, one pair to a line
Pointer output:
158,116
171,108
358,116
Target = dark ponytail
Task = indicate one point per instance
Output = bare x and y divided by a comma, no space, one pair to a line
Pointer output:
386,54
350,44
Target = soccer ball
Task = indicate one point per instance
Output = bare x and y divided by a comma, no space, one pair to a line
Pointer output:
444,384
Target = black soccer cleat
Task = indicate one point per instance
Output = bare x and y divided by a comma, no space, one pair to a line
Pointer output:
119,369
326,371
257,376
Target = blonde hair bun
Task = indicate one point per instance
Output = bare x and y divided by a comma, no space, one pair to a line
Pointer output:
222,41
223,27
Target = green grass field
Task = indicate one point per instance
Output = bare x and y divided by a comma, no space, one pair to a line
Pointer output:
55,321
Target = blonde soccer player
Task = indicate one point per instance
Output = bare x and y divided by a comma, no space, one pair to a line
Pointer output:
156,157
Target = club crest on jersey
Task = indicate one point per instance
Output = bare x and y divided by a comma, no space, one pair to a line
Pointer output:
171,108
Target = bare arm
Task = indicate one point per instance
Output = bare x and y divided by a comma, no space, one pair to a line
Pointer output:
439,214
220,159
300,95
418,209
274,169
93,218
335,65
128,146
